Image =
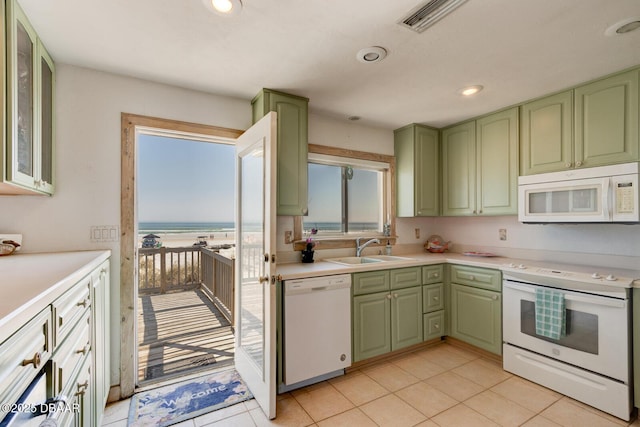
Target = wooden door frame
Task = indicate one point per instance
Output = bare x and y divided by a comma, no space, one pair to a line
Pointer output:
128,238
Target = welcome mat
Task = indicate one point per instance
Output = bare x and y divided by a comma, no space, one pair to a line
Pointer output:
181,401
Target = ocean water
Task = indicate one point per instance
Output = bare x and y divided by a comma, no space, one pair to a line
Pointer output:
217,227
354,227
184,227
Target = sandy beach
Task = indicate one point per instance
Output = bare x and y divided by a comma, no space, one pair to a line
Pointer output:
175,240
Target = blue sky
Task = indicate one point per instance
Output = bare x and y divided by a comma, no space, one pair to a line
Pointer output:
185,181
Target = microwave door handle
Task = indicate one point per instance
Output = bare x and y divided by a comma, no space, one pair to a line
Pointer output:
607,199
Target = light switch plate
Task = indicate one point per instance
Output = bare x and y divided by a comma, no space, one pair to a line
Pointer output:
104,233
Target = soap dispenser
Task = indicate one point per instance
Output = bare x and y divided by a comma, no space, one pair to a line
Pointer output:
387,249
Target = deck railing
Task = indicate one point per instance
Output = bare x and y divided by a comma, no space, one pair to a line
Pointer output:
218,278
181,268
169,269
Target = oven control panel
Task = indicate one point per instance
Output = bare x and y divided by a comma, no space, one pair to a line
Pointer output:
538,274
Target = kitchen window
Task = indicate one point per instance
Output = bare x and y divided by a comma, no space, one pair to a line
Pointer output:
350,195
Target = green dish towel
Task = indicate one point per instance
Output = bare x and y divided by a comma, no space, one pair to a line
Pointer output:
550,313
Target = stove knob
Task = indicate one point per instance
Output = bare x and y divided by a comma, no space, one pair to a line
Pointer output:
522,266
611,278
596,276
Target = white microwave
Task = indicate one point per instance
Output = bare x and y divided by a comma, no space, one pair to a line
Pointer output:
599,194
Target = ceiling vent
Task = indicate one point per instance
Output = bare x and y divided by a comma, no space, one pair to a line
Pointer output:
423,17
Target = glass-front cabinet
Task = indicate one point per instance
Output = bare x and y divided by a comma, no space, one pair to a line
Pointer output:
30,77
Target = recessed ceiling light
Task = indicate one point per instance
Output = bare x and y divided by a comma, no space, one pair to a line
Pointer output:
623,27
471,90
372,54
224,7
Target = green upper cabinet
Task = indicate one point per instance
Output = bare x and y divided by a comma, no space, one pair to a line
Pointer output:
497,163
30,80
480,166
292,146
459,170
594,124
606,121
546,140
417,152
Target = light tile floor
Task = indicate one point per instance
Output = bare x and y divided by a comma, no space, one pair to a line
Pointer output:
438,386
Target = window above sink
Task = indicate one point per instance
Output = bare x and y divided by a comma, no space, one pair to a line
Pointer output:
368,169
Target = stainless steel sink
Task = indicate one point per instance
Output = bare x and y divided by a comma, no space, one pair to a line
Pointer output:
390,258
353,260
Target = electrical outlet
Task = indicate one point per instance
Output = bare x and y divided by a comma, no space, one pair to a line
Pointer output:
502,233
417,231
288,237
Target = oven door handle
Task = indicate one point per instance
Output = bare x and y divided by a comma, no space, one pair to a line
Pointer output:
602,301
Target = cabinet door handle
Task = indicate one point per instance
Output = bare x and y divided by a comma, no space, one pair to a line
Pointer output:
84,349
83,303
568,164
436,298
36,361
472,277
436,326
395,295
82,388
495,297
436,275
578,164
388,296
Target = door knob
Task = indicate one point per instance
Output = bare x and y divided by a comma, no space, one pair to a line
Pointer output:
263,279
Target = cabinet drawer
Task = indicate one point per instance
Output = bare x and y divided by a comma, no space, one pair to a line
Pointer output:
22,356
477,277
406,277
433,325
371,281
70,356
432,274
432,298
69,308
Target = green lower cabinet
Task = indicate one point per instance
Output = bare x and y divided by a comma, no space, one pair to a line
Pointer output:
386,321
371,325
476,317
433,325
636,347
406,317
433,307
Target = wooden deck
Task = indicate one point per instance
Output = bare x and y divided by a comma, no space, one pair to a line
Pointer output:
181,332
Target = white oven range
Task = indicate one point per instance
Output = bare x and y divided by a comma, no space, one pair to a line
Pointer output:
590,362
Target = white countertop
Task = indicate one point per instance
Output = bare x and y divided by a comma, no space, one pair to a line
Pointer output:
325,268
29,282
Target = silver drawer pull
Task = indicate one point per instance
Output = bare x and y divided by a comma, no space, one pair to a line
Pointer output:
472,277
436,275
36,361
388,296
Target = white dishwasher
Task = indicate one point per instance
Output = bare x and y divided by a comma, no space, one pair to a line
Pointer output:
317,329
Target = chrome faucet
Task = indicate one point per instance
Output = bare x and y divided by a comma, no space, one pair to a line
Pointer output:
359,247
